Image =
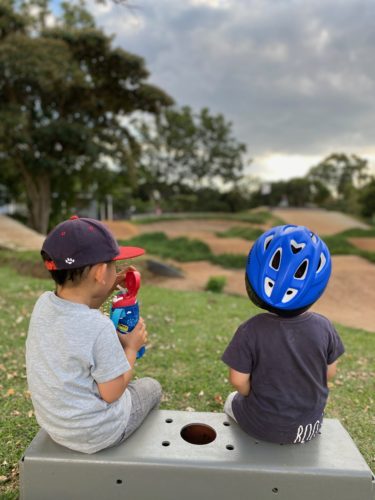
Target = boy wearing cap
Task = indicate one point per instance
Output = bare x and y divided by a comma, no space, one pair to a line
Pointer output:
78,369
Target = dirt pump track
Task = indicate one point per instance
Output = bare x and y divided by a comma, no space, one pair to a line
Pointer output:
350,295
349,298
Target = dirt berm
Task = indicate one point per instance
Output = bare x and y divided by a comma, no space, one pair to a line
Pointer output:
350,295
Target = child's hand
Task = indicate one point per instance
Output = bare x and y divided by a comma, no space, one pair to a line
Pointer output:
120,277
136,338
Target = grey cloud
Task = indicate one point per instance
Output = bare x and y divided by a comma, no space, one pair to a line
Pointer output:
294,76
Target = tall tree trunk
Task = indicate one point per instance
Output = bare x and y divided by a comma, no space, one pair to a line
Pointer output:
38,192
41,205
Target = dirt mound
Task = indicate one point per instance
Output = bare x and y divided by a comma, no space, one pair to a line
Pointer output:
204,230
122,229
367,244
322,222
349,297
16,236
178,227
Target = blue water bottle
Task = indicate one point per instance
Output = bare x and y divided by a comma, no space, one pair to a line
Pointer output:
125,308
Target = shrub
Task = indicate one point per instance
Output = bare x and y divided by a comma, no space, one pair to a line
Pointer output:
216,284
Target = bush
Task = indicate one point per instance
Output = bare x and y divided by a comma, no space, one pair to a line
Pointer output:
216,284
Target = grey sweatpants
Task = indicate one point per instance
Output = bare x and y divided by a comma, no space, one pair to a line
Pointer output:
146,394
228,405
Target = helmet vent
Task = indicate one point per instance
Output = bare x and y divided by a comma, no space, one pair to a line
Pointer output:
289,295
289,229
267,241
301,272
276,258
322,262
314,238
297,247
268,286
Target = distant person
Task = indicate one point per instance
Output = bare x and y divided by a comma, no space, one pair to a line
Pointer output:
284,202
280,361
79,369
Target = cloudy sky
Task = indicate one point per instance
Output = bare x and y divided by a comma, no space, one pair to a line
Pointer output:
296,77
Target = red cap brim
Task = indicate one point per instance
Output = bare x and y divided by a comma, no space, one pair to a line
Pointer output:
129,253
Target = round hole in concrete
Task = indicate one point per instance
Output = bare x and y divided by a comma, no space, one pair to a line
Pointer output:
198,434
229,447
119,481
227,424
275,490
165,443
169,420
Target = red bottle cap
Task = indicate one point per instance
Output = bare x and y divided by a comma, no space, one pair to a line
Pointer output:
132,283
129,298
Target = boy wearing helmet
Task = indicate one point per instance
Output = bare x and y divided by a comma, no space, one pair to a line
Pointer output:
280,361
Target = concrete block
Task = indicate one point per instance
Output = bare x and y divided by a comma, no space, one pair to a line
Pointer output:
177,455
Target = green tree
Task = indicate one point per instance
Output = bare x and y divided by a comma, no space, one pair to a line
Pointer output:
344,175
65,93
192,149
320,194
367,199
298,192
341,172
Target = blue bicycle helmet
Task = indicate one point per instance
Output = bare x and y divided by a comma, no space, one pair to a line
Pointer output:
287,270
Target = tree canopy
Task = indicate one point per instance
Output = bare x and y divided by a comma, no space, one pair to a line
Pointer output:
65,92
70,108
184,149
341,172
340,181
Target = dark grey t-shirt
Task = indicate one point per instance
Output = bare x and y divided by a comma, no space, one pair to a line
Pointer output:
287,359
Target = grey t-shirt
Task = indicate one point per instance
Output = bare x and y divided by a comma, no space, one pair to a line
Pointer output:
287,359
69,349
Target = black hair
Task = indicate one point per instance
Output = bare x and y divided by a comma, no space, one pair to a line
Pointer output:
62,276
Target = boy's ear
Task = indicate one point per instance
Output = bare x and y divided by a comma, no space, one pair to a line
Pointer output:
99,271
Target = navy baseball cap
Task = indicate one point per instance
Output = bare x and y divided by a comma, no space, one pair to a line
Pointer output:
79,242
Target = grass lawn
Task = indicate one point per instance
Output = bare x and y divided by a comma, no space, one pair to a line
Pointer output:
187,335
246,233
